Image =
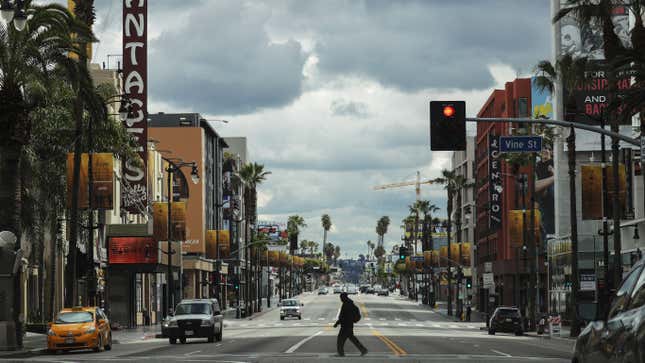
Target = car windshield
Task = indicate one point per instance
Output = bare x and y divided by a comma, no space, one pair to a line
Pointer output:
74,317
289,303
193,308
508,313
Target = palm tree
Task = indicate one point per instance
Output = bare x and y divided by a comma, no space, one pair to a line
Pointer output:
448,180
294,223
325,221
381,228
31,60
328,251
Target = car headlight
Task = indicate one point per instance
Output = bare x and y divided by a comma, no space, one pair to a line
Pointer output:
51,333
206,322
90,330
170,323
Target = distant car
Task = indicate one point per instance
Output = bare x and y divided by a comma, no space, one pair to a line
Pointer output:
290,308
352,290
363,288
323,291
370,290
338,289
194,318
383,292
621,336
506,319
79,328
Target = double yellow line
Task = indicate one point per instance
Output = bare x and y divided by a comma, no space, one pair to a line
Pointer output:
387,341
390,344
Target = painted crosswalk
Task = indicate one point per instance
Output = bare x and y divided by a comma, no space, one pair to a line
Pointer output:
382,322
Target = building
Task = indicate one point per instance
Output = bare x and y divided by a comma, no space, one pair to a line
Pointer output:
463,163
187,137
502,235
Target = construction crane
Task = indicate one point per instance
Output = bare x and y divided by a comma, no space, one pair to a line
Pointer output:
417,185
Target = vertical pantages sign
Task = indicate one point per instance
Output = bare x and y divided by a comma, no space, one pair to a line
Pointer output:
135,79
494,183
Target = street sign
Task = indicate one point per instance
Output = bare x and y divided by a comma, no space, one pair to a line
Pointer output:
488,279
488,267
515,144
417,258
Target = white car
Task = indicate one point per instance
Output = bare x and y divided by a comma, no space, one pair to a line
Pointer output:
290,308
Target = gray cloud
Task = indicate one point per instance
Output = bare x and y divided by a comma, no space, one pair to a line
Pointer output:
413,45
349,109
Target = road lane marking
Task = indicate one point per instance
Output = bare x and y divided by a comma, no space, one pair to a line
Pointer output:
307,319
418,324
389,343
191,353
303,341
382,319
397,319
436,326
500,353
321,319
454,327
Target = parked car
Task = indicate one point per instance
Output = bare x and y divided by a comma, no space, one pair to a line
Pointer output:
323,291
363,288
383,292
194,318
352,290
79,328
290,308
506,319
338,289
620,337
370,290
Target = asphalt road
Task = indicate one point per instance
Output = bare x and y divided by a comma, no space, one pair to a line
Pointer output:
391,328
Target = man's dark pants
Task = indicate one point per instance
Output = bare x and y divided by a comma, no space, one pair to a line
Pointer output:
344,334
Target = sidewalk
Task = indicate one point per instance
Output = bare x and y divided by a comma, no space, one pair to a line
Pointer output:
32,344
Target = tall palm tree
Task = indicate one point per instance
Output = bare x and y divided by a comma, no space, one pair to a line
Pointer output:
381,228
30,60
294,223
448,180
328,251
325,221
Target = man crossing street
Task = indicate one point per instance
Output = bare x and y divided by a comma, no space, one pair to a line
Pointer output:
349,314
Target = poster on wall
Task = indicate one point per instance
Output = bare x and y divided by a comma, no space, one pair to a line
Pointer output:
135,86
592,200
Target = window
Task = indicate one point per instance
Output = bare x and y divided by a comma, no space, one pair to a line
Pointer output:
523,107
638,295
74,317
196,308
622,295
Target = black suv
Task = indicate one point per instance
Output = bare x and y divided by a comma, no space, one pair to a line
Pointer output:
194,318
621,336
506,319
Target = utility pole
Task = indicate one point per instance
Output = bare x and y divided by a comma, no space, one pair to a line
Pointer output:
575,286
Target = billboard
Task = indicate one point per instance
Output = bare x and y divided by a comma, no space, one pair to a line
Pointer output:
135,85
275,231
132,250
218,240
102,183
516,227
592,199
160,221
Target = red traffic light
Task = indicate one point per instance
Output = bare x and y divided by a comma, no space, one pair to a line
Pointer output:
448,111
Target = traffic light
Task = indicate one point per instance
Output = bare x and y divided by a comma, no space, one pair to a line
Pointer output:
447,125
402,253
469,282
236,283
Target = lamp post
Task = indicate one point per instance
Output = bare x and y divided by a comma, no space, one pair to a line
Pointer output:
174,166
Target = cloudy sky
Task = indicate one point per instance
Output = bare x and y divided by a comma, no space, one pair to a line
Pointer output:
333,95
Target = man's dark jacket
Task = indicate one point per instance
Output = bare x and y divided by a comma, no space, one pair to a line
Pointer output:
347,314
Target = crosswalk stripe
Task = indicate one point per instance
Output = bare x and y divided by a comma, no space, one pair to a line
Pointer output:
454,326
307,319
382,319
418,324
436,326
321,319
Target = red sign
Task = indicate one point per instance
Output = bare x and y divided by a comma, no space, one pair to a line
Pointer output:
131,250
135,85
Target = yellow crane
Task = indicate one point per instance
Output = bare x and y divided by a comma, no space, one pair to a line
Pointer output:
417,185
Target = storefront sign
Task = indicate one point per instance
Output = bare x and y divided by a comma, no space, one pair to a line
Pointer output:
494,183
132,250
587,282
135,79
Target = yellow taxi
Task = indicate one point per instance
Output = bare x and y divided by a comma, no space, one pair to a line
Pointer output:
79,328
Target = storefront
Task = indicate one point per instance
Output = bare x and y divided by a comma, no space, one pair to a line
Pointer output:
137,282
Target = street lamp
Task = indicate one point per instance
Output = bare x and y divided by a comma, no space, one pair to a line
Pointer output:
14,12
174,166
